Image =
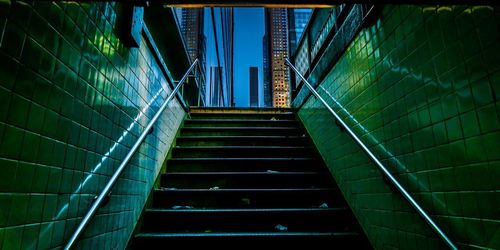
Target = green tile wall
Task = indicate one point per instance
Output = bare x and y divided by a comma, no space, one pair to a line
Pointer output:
422,89
73,100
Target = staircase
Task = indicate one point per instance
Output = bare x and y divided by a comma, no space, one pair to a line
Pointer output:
246,178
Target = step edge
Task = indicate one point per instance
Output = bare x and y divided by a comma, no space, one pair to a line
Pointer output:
247,210
297,173
245,159
241,128
246,190
242,147
249,234
238,120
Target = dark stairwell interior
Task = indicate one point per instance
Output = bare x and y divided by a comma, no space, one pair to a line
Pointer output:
419,84
247,178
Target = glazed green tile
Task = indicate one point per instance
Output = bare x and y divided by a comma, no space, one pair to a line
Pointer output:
42,93
35,208
470,124
12,142
488,119
453,129
449,106
47,64
494,80
465,100
58,232
12,38
50,123
40,181
2,231
453,110
44,238
30,236
490,58
54,180
491,144
18,111
8,71
24,85
5,97
24,177
481,92
459,152
35,118
439,131
424,117
18,215
49,208
13,237
38,28
7,178
475,229
46,151
475,149
436,113
30,146
55,100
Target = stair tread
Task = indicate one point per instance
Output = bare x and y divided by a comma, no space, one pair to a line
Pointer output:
246,189
242,173
240,137
239,120
246,210
247,159
204,198
241,128
242,147
248,234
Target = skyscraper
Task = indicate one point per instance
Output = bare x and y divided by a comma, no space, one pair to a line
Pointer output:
254,86
278,36
216,91
220,30
298,19
227,21
191,25
266,79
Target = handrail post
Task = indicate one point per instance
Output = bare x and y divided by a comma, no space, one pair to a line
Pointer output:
114,178
379,164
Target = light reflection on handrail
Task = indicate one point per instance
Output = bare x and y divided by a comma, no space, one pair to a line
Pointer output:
114,178
384,170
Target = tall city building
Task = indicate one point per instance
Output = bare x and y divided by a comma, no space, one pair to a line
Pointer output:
277,22
216,87
266,79
227,21
192,29
254,86
220,31
298,19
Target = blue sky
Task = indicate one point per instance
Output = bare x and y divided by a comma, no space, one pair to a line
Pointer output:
248,33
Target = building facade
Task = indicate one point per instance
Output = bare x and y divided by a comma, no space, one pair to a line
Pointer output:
298,19
277,21
254,86
227,21
219,29
191,22
216,87
266,79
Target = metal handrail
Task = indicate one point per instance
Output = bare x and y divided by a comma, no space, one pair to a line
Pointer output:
107,189
384,170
